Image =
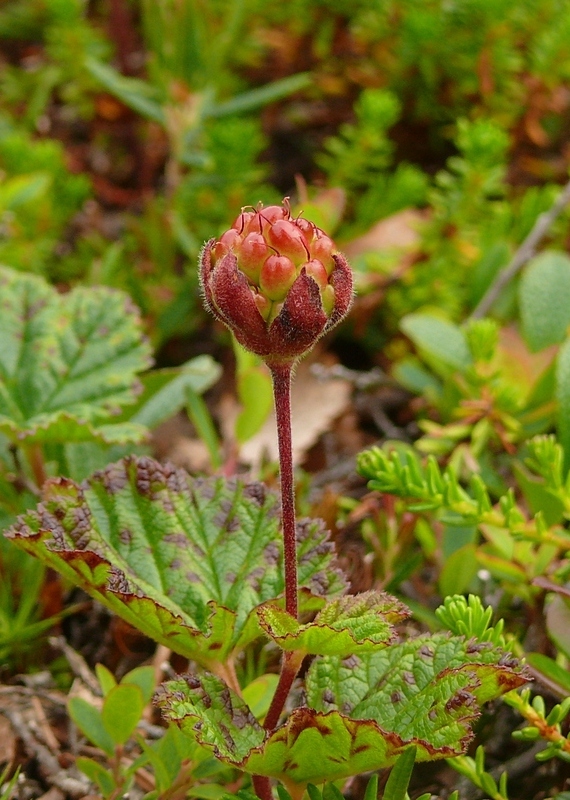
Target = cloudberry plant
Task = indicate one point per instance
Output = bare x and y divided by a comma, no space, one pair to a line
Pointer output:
279,284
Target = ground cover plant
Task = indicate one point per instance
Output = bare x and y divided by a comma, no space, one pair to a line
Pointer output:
367,596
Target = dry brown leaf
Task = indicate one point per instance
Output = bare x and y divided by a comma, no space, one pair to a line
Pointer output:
517,363
401,230
315,405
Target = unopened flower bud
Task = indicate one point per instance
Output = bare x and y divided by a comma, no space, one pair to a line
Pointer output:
277,276
276,281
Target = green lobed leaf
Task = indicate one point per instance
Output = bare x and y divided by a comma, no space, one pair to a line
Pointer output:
544,297
212,713
310,747
184,560
67,362
365,711
427,689
350,624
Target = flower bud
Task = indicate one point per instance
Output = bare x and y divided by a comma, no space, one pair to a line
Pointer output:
277,276
276,281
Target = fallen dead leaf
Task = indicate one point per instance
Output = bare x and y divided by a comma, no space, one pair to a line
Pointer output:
517,363
315,405
401,230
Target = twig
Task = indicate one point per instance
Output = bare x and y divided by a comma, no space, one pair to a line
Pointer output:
26,691
523,254
48,762
370,379
77,663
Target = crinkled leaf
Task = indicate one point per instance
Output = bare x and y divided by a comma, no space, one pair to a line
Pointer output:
212,713
350,624
365,710
185,560
67,362
427,690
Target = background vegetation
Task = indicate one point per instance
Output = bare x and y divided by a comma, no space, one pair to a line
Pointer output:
430,139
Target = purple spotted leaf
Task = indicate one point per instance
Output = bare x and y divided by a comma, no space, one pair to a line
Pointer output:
427,690
185,560
363,711
68,362
346,625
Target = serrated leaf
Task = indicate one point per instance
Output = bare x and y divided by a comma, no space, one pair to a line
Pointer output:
310,747
212,713
395,686
351,624
544,297
423,693
184,560
67,362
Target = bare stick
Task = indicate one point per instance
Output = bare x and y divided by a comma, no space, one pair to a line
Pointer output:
523,254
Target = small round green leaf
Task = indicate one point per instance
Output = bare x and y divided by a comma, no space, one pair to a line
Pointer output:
90,722
122,711
438,338
544,297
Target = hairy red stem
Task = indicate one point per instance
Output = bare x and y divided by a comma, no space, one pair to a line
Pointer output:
289,668
281,374
262,786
